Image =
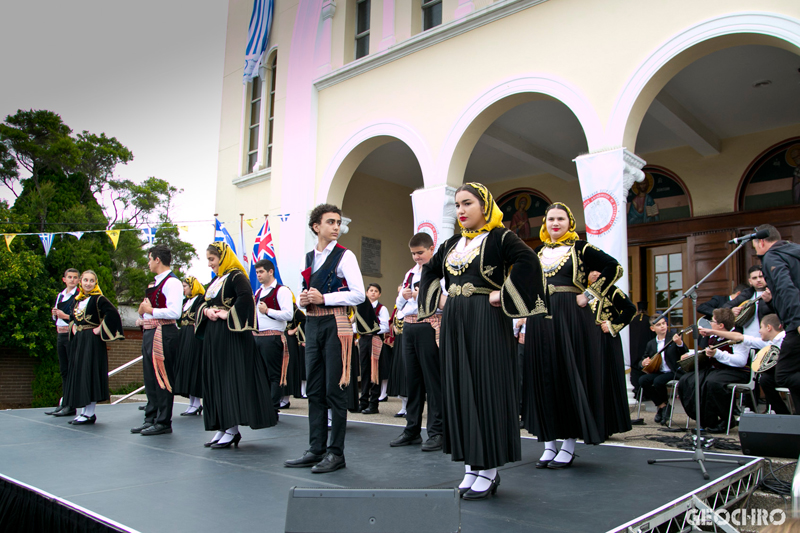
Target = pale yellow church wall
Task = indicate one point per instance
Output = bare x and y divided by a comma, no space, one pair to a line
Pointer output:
713,181
593,46
380,210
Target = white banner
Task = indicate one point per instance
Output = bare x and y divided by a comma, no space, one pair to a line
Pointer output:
434,212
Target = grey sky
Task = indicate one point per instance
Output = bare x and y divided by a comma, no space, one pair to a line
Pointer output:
146,72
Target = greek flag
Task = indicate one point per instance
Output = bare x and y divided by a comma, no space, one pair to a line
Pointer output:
221,234
47,241
150,233
257,37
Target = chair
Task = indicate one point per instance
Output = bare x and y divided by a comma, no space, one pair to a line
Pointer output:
789,395
742,387
674,384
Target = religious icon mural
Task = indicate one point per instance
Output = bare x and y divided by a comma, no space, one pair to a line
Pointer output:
773,178
523,210
660,196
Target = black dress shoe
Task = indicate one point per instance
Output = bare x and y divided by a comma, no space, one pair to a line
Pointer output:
659,415
475,495
405,440
308,459
542,463
141,407
384,400
83,421
235,441
210,443
156,429
400,415
66,412
56,410
330,463
432,444
666,415
556,465
142,427
370,411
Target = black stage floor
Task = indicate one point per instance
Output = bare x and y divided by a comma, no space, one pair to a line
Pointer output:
172,483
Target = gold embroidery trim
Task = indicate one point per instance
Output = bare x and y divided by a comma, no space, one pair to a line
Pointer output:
519,303
552,289
540,307
466,290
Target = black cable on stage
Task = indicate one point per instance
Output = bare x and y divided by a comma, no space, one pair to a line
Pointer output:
686,441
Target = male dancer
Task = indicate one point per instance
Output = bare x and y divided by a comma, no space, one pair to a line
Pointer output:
161,307
781,266
61,312
370,346
274,308
332,283
421,354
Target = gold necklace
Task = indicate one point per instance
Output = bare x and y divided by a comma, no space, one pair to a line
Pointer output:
550,269
457,262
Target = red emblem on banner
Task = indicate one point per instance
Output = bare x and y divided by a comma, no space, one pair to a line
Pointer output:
430,229
600,211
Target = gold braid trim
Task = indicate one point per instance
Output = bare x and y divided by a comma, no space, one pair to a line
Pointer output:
516,299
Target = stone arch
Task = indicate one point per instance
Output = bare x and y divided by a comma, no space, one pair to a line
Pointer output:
490,105
682,49
357,147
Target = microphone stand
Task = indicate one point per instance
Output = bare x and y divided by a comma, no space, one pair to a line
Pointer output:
698,456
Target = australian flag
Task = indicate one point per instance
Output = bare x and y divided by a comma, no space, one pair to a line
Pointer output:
263,249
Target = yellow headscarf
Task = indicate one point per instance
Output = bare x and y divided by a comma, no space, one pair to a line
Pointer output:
197,287
565,240
491,212
94,292
228,262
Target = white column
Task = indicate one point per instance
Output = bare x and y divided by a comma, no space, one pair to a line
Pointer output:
435,212
322,52
388,38
605,179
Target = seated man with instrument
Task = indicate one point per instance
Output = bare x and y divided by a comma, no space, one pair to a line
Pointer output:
727,363
660,366
770,334
752,304
707,308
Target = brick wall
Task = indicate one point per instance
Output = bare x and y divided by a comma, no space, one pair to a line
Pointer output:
16,376
17,370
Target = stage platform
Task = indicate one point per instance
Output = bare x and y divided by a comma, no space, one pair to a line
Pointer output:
172,483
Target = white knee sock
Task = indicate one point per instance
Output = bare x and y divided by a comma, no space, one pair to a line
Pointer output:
284,400
218,435
88,411
228,435
549,451
481,483
404,399
330,417
384,388
567,449
303,388
469,477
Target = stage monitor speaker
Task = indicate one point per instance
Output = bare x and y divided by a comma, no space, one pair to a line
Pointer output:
770,435
324,510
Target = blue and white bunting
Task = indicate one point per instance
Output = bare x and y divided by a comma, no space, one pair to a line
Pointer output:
76,234
47,241
150,233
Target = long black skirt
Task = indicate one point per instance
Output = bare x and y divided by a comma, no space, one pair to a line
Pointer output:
397,376
87,380
385,362
296,371
188,365
563,382
236,389
617,412
479,384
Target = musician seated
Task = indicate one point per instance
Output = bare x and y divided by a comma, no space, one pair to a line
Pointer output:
707,308
770,334
728,363
654,381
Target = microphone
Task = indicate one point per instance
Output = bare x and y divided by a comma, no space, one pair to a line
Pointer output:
763,234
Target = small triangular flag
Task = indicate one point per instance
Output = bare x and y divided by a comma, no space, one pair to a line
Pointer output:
150,233
183,228
114,235
9,237
47,241
249,221
76,234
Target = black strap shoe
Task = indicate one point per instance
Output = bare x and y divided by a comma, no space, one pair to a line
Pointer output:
330,463
83,421
308,459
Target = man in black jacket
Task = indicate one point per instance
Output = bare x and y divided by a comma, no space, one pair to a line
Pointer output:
757,289
707,308
781,267
655,383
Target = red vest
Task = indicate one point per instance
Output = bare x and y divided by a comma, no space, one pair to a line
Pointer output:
378,312
155,294
271,299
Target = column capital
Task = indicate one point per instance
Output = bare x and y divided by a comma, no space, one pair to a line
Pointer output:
345,227
632,171
328,9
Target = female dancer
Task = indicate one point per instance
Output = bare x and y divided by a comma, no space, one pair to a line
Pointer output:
95,321
188,364
481,411
564,389
236,389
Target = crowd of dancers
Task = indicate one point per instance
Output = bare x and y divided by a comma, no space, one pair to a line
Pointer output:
493,335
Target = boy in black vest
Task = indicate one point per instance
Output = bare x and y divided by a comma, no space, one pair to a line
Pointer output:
332,283
161,307
274,308
61,311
